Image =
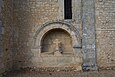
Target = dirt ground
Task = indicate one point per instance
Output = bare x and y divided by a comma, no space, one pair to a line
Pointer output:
59,73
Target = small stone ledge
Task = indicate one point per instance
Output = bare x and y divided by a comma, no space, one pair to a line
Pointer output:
48,69
107,68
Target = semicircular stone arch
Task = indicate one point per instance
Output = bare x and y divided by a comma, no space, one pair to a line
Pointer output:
56,25
70,26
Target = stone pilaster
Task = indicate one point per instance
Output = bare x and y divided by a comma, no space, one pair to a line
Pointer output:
88,41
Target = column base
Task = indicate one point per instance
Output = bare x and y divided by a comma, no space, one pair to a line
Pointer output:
87,67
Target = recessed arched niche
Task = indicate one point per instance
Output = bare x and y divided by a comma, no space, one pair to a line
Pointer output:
57,37
56,40
57,44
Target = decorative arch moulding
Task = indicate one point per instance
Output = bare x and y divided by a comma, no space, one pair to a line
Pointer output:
62,24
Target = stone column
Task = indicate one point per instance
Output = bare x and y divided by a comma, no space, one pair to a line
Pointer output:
88,39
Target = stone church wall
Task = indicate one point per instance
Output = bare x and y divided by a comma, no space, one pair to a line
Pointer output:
105,32
29,16
22,19
1,40
5,35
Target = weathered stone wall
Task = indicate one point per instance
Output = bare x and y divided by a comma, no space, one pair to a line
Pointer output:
29,16
22,19
105,32
1,39
6,33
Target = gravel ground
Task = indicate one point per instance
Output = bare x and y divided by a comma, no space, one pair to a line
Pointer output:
59,73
